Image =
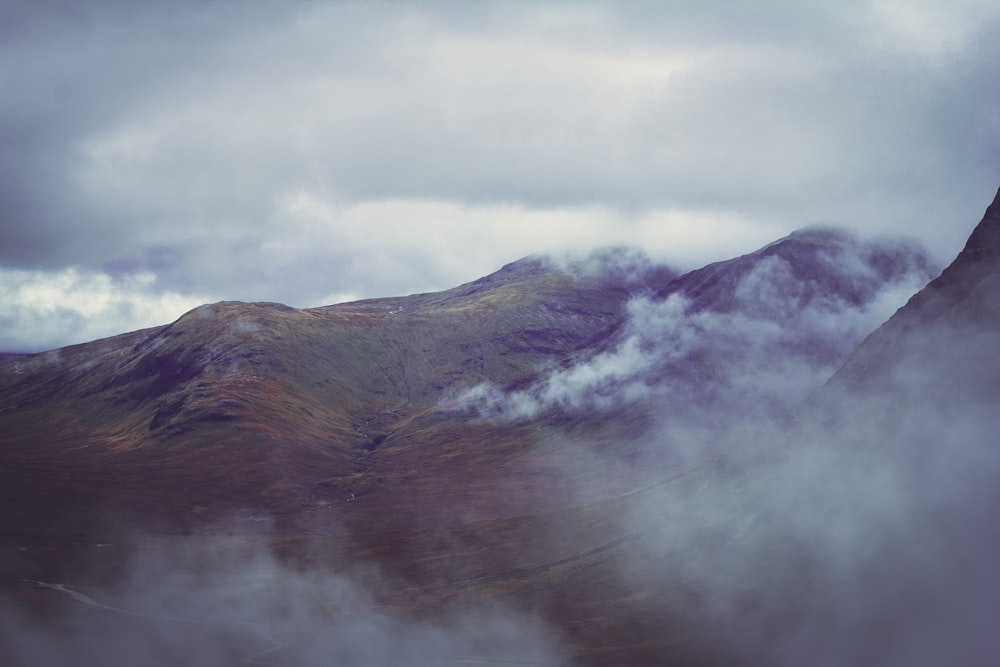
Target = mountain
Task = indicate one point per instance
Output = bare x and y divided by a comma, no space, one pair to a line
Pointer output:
817,263
522,441
294,405
265,405
951,328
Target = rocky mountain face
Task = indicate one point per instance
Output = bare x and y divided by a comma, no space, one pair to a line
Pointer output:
553,446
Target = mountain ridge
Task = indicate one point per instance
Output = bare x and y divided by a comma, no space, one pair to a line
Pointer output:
326,387
319,433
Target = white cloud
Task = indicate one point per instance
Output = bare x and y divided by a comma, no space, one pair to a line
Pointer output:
43,310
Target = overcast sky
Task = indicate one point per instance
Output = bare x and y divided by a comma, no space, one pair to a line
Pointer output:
155,156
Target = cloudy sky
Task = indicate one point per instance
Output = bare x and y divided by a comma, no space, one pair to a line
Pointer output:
155,156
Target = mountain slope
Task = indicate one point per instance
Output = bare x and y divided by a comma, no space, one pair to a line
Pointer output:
262,405
259,397
734,341
326,432
818,262
950,329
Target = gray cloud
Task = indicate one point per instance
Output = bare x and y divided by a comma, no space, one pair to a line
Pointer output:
183,139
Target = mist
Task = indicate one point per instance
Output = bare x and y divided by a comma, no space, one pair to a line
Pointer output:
219,600
862,534
817,522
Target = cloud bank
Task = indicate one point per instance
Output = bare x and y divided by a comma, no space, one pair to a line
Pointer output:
309,152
